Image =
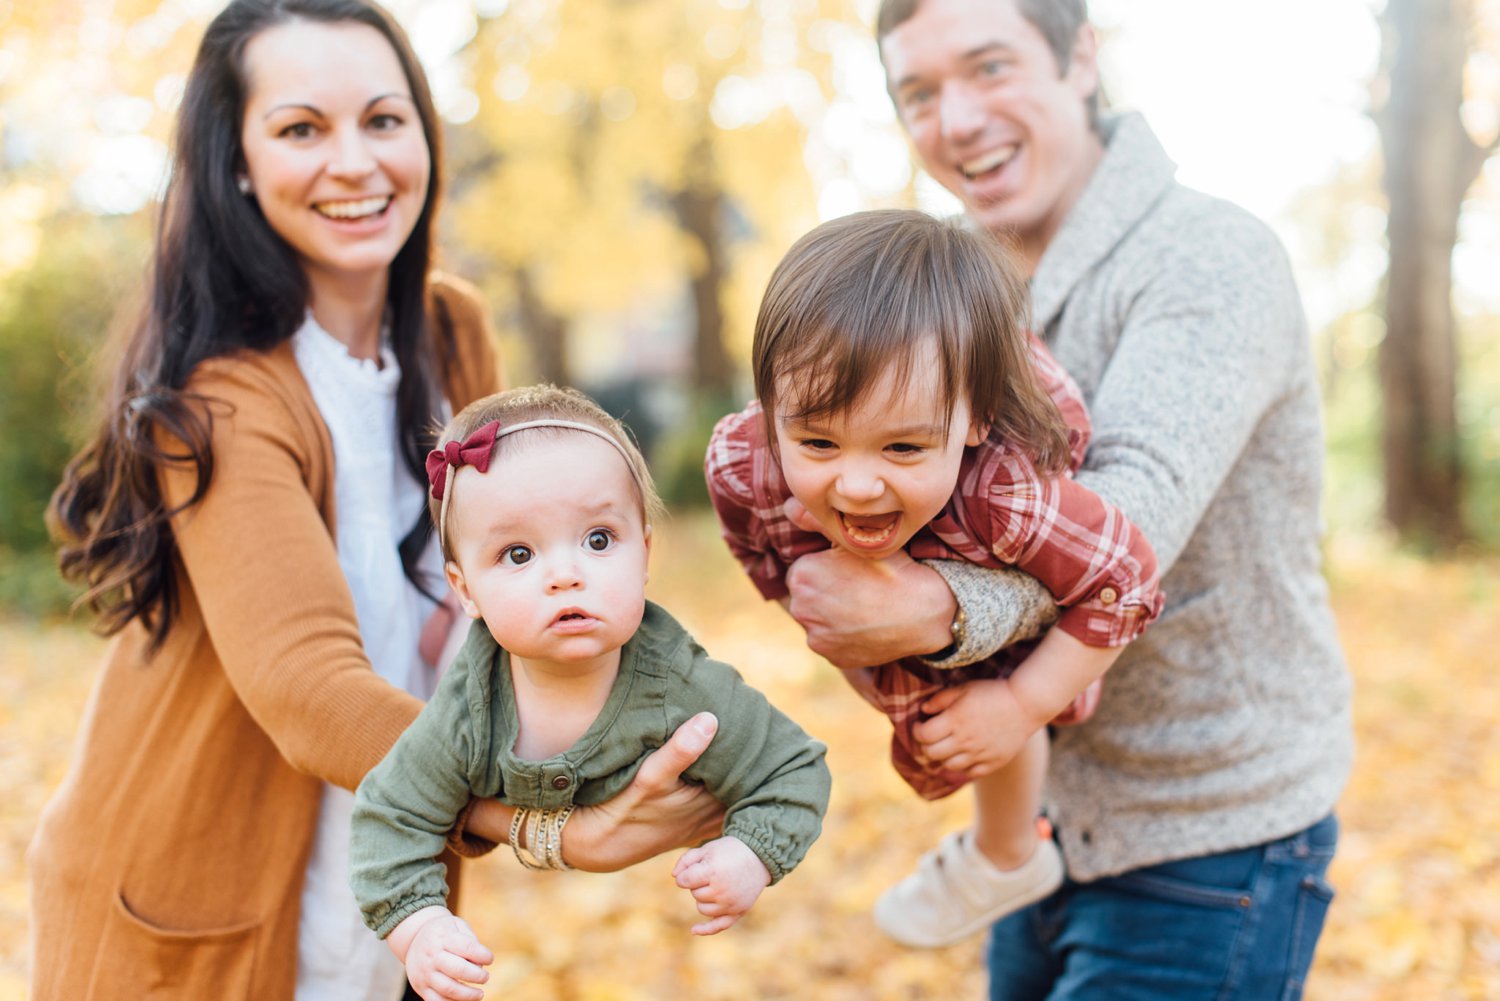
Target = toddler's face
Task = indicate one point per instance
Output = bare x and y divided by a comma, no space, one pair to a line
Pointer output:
876,474
550,548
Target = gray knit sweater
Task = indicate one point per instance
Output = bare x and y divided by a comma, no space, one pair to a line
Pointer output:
1228,723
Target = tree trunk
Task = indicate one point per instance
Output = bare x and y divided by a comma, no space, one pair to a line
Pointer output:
1429,163
546,332
700,212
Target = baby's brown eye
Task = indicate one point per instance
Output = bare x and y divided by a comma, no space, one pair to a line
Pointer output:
516,556
598,540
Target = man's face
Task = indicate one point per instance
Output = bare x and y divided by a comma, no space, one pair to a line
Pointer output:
992,116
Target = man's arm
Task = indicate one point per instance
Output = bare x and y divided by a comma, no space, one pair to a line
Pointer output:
859,612
1213,339
1000,607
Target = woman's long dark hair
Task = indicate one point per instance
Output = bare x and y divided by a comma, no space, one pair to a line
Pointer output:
222,280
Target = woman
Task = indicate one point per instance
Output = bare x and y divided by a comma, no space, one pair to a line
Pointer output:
249,519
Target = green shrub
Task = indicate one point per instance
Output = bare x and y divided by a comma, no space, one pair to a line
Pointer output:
31,586
53,320
677,462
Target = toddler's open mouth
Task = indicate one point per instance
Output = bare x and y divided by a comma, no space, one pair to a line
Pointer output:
870,531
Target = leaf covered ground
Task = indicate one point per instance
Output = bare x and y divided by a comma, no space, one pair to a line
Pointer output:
1418,873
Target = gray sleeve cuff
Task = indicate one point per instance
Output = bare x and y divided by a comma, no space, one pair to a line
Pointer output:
1001,607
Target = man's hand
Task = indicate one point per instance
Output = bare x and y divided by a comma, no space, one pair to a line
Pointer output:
976,728
656,812
859,612
725,878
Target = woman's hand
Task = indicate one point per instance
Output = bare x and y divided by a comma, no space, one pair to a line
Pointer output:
655,813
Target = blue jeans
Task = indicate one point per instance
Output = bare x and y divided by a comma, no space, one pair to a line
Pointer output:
1240,926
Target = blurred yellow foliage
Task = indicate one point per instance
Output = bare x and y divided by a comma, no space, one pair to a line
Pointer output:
594,120
1418,873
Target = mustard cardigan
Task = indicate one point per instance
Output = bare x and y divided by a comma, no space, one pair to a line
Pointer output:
169,862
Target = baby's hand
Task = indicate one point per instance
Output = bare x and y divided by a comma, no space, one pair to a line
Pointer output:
725,878
443,957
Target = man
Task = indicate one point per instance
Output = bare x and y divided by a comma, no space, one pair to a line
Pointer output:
1195,809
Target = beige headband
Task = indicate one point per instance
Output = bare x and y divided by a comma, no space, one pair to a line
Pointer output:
477,449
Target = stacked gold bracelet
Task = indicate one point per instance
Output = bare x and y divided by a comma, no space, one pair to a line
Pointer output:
536,837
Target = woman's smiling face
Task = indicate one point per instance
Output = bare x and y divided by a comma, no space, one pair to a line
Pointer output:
335,153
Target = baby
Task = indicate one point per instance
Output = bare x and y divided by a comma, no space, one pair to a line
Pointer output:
543,507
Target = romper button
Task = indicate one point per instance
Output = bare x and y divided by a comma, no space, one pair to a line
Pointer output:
561,782
1109,596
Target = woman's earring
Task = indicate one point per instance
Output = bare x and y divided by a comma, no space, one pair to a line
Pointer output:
243,183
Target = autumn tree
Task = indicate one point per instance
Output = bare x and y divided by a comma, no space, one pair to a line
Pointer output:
639,160
1430,162
82,149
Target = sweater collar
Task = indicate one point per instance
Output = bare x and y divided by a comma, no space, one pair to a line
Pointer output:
1133,174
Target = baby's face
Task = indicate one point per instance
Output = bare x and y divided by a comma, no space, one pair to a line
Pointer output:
550,549
876,474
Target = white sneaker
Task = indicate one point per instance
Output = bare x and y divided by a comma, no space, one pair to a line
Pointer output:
956,892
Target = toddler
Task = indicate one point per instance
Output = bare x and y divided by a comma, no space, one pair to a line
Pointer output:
543,507
903,409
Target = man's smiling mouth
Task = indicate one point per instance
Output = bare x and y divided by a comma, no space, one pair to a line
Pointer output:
981,165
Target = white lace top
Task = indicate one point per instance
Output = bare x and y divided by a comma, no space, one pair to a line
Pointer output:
376,501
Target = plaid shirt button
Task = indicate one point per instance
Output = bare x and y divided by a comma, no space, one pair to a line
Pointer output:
1109,596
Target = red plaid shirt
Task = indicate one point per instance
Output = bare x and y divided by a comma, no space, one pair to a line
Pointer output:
1099,568
1002,513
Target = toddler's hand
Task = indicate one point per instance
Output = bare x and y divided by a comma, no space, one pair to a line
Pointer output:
444,958
976,728
725,878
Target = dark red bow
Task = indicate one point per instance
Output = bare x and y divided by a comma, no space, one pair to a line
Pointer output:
474,450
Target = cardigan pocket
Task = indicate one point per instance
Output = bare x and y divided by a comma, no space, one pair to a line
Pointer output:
142,960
